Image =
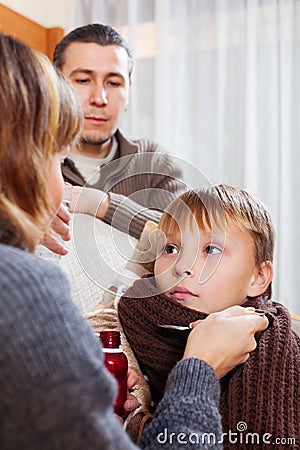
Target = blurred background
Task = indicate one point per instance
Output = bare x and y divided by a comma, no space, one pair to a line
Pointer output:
217,83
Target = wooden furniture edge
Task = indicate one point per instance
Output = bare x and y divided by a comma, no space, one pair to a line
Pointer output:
31,33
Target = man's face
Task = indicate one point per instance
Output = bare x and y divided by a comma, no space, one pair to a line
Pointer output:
100,77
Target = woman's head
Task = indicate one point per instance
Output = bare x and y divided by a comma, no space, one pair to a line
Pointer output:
213,209
40,117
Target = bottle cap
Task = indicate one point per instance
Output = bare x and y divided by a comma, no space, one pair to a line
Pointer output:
110,338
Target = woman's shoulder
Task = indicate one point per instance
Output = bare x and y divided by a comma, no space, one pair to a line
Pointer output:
26,279
16,262
34,292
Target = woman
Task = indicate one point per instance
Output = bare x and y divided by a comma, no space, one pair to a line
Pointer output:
54,391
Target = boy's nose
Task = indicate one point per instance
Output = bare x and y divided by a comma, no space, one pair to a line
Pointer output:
183,269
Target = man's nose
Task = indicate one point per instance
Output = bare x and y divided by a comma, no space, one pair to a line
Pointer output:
99,96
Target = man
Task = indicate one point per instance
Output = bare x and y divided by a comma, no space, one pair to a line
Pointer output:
134,179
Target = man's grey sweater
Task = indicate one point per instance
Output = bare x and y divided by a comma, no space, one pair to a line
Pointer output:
54,391
141,181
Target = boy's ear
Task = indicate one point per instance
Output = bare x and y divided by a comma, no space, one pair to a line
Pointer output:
261,279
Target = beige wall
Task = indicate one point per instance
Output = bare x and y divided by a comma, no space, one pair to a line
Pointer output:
49,13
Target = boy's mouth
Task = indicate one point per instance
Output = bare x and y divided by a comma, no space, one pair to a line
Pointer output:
180,293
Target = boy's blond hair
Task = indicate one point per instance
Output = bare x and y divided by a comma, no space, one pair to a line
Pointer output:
211,206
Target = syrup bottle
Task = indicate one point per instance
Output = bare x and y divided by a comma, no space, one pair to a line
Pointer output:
116,362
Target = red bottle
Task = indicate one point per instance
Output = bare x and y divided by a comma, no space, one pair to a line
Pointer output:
116,362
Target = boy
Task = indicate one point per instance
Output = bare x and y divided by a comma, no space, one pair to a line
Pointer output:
215,250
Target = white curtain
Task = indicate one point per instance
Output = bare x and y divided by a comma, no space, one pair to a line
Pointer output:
217,82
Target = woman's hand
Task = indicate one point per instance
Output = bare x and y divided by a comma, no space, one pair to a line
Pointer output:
60,225
225,339
132,402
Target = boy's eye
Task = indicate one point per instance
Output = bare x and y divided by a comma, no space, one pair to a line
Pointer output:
212,250
171,249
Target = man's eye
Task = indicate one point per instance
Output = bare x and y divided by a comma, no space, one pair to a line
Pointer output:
170,249
212,250
81,80
114,83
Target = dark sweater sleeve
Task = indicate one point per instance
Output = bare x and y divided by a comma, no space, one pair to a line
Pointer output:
187,416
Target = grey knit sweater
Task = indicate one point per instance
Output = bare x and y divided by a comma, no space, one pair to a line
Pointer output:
54,391
141,182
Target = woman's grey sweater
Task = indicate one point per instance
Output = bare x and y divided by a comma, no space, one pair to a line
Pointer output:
55,393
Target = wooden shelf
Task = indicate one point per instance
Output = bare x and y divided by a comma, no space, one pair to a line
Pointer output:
26,30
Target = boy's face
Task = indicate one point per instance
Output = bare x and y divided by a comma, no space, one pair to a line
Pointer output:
207,272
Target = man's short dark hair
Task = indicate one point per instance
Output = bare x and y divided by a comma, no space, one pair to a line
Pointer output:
97,33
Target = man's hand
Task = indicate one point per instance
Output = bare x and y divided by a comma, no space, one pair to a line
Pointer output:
60,225
89,201
225,339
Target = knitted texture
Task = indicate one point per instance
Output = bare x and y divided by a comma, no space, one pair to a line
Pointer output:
95,257
191,424
55,393
157,349
263,393
107,319
141,182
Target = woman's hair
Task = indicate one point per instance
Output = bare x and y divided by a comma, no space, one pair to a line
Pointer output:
211,206
39,115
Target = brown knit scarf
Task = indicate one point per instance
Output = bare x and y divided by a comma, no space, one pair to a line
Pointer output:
260,396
